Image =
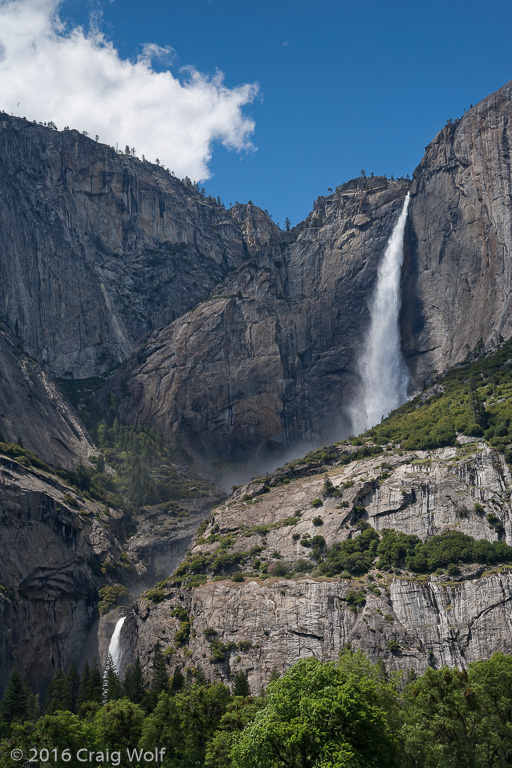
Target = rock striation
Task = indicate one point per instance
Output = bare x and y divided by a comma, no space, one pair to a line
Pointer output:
56,551
33,410
458,278
98,248
410,625
267,363
406,621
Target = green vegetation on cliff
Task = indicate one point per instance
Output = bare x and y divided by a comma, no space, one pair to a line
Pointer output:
474,399
147,471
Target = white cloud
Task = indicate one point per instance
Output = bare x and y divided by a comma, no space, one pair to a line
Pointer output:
72,77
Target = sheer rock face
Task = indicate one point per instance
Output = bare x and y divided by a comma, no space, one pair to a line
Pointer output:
433,620
269,362
53,545
458,280
99,248
33,409
272,364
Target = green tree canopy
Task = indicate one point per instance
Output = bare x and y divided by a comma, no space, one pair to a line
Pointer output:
323,716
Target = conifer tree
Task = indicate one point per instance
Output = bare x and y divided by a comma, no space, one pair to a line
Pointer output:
134,685
84,683
112,688
32,708
13,705
71,690
159,678
241,685
55,693
95,686
177,681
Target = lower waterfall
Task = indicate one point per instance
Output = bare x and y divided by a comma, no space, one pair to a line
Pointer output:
114,647
382,369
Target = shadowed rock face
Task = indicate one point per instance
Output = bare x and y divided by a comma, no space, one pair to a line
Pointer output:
269,362
33,409
57,550
99,248
458,275
53,545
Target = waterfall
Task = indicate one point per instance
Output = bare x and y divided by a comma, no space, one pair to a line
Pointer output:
381,367
114,648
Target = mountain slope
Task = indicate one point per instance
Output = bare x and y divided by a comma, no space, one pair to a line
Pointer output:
269,362
457,275
98,248
33,410
404,553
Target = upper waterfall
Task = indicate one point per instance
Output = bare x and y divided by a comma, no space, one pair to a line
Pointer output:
382,369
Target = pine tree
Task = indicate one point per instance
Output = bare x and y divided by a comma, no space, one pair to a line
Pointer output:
71,690
159,678
32,708
241,685
177,681
95,686
55,693
112,688
83,691
134,685
288,223
13,704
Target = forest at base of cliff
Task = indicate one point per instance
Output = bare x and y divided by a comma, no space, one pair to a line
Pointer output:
317,715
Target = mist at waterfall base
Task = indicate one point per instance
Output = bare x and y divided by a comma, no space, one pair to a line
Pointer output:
382,369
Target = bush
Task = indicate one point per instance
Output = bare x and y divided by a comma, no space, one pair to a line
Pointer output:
116,594
237,576
353,555
182,635
356,599
329,489
279,569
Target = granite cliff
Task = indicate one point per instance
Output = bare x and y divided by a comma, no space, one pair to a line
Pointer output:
457,276
57,550
64,555
240,341
34,411
269,363
266,531
98,248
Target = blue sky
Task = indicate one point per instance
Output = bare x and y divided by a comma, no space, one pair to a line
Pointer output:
341,86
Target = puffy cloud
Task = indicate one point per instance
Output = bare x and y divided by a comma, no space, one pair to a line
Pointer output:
73,77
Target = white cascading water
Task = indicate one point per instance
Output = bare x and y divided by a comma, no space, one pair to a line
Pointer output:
114,648
382,368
